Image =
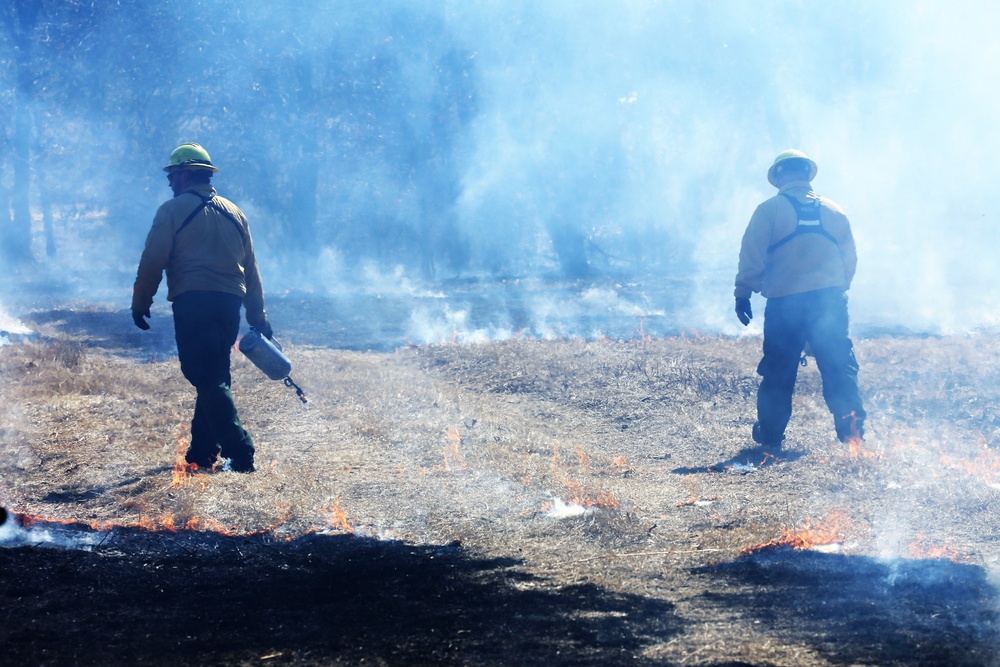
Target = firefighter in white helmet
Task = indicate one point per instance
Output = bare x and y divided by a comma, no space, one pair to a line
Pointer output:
203,243
798,253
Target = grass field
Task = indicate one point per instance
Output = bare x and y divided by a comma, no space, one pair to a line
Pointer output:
516,502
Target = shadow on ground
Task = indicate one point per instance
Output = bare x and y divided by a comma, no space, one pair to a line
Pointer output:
397,315
109,330
860,610
356,323
198,598
746,460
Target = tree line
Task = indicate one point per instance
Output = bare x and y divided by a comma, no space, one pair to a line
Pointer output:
317,106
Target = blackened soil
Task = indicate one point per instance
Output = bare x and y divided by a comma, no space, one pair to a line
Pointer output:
895,612
208,599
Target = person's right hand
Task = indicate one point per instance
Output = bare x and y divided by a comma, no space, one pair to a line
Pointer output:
743,311
139,317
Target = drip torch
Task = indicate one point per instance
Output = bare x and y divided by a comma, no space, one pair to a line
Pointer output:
268,357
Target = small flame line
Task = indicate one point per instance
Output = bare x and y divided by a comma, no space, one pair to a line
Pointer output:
812,534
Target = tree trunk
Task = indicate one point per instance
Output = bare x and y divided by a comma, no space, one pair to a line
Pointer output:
20,18
17,246
48,224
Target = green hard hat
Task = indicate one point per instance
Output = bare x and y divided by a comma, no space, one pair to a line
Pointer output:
783,157
190,156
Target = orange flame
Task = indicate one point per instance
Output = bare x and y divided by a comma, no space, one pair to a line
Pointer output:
580,495
813,534
985,465
164,523
182,469
620,465
921,548
858,451
337,518
854,441
452,453
692,335
641,335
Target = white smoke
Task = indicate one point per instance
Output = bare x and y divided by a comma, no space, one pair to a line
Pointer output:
651,126
533,309
699,97
10,326
13,534
560,509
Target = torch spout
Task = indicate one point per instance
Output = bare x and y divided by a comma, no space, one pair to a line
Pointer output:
298,390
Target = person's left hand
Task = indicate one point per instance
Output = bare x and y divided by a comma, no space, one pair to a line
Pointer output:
264,328
138,316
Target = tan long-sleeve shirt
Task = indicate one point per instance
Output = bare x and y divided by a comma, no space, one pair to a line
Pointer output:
212,253
804,263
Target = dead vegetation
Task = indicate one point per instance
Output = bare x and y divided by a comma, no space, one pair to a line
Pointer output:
517,502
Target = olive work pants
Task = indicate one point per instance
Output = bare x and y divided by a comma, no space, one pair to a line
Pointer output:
820,319
206,325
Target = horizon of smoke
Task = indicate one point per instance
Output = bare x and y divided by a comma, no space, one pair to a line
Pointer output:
649,127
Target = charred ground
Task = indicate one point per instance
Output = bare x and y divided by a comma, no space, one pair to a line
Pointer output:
517,502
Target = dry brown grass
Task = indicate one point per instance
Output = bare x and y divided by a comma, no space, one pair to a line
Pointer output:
481,446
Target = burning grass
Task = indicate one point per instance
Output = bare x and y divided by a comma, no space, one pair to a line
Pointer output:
607,489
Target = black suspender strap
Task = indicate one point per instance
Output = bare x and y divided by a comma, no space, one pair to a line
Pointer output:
210,201
196,211
808,222
227,215
803,211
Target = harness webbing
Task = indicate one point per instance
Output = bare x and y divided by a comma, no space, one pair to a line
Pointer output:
210,201
808,222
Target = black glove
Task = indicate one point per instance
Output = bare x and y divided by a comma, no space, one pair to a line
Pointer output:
743,311
264,329
138,317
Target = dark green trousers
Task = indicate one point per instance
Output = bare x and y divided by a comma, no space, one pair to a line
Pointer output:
820,319
206,325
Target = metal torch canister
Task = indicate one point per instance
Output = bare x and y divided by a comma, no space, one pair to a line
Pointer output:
265,355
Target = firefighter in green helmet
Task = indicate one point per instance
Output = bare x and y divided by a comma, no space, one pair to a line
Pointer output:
202,241
798,252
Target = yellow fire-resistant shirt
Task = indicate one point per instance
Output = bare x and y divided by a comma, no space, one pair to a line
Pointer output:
804,263
212,253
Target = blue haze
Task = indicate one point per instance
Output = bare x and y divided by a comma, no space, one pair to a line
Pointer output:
424,149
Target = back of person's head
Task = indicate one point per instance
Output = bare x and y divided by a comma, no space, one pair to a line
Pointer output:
797,168
190,157
791,163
